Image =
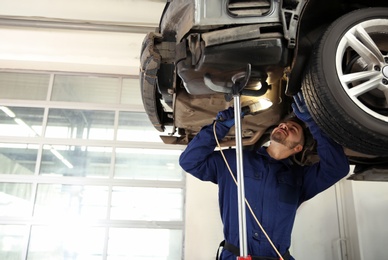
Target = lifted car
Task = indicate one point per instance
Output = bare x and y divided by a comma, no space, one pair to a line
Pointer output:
335,51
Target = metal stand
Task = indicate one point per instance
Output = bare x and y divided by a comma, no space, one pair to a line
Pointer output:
240,180
234,91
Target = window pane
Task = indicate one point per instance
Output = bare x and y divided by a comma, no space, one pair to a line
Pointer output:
78,161
24,86
71,201
133,243
83,124
148,164
136,127
131,92
21,121
58,217
18,158
15,199
86,89
12,238
134,203
65,242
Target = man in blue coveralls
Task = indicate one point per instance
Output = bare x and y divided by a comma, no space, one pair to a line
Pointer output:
274,186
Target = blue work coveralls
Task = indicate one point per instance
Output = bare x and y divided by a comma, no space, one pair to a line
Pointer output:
274,188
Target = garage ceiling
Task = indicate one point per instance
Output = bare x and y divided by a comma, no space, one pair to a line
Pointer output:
92,36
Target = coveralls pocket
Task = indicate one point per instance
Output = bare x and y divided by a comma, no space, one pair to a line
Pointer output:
253,182
289,190
252,172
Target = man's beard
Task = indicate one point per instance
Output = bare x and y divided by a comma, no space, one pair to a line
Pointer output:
281,139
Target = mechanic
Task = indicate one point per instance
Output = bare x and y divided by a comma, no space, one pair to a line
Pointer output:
274,186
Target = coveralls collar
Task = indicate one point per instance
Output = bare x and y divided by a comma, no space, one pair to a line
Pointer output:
286,161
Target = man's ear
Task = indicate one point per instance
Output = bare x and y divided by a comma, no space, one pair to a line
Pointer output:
298,148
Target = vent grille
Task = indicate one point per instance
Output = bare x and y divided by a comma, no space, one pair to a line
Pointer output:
249,7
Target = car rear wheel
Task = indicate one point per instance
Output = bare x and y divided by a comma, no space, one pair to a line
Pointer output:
346,85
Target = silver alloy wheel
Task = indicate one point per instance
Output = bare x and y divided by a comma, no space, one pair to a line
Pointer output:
345,84
370,76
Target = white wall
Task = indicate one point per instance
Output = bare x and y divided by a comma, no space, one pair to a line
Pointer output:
369,220
203,230
316,231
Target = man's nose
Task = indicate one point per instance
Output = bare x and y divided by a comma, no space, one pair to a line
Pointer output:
283,126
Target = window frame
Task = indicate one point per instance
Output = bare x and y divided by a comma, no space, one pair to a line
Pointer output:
110,181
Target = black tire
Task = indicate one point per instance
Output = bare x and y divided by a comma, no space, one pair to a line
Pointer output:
150,60
357,121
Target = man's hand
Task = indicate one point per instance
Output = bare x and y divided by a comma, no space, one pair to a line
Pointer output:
300,108
226,117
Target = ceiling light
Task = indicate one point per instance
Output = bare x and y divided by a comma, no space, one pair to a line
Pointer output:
261,104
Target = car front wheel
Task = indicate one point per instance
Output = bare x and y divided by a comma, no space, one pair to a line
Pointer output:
346,85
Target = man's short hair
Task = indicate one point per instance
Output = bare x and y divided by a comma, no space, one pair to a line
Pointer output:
308,138
296,120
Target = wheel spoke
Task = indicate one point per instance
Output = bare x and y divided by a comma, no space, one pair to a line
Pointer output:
364,87
369,43
363,75
368,55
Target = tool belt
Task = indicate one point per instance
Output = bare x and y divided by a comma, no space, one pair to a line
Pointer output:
236,251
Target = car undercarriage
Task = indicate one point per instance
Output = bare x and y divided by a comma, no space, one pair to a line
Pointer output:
335,52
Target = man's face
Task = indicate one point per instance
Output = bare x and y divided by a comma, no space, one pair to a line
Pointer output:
289,134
